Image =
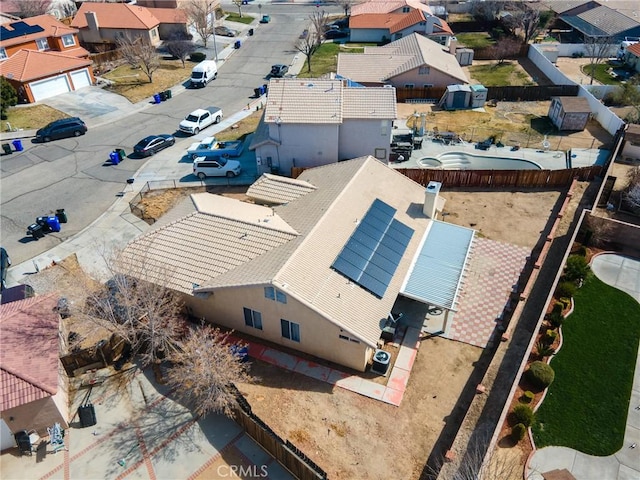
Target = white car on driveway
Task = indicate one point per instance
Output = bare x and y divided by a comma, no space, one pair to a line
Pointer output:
219,167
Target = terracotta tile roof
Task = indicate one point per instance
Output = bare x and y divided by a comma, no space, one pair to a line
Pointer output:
169,15
635,49
51,26
385,6
394,22
116,15
278,190
29,350
325,101
27,65
443,27
381,64
574,104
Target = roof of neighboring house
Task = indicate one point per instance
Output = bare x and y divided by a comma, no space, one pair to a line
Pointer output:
50,28
601,21
634,48
325,101
276,189
387,6
116,15
169,15
381,64
561,6
29,350
233,251
27,65
394,22
574,104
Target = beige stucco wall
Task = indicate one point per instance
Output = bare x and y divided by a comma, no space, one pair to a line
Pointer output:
435,77
36,415
304,145
318,336
112,35
360,137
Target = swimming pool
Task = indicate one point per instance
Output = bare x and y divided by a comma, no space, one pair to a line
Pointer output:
469,161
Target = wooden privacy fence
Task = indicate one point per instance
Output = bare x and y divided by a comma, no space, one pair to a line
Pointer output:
100,355
292,458
431,93
531,93
502,178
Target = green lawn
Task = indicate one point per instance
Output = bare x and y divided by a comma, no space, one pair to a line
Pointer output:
325,59
234,17
600,73
495,75
586,406
475,40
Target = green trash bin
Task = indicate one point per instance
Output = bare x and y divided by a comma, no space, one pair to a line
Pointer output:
121,153
168,94
7,149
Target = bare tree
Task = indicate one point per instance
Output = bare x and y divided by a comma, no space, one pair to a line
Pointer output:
202,18
238,3
598,231
309,44
631,193
31,8
67,9
205,370
139,53
506,47
628,94
533,21
597,48
345,4
488,10
179,46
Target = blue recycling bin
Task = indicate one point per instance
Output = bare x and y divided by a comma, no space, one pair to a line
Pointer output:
237,45
17,145
156,98
115,158
53,223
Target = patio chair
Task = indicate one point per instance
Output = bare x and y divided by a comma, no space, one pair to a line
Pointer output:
56,437
24,442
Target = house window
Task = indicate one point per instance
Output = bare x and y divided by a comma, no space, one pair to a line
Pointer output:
273,294
290,330
409,86
281,297
406,9
428,85
424,70
68,40
252,318
3,53
42,43
348,339
154,33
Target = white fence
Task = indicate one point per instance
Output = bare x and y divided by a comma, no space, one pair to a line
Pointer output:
571,49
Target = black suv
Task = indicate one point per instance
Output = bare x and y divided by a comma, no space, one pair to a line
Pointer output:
67,127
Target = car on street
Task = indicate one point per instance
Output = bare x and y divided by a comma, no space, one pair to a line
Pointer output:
225,32
64,128
279,70
265,19
333,34
153,144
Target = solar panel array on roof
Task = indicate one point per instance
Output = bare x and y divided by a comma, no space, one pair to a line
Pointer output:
18,29
372,254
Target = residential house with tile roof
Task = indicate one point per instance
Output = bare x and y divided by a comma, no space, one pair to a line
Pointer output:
42,57
312,122
632,56
410,62
381,21
318,268
34,385
602,21
105,23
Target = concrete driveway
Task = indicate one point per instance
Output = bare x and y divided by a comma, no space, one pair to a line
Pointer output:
142,433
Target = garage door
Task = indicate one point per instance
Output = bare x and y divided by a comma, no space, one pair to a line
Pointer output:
50,87
80,78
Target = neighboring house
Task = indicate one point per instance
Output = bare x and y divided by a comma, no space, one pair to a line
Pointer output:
381,21
313,122
319,268
632,56
105,23
34,385
602,21
631,148
410,62
569,113
42,57
570,7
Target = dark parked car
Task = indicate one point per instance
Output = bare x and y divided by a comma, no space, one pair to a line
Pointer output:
153,144
5,263
279,70
225,32
67,127
333,34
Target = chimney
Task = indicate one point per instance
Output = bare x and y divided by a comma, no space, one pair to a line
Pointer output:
92,21
431,199
453,45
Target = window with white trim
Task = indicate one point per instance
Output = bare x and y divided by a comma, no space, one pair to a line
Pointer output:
3,53
252,318
424,70
272,294
290,330
68,40
43,44
406,9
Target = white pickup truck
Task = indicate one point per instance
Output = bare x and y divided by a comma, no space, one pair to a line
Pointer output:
199,119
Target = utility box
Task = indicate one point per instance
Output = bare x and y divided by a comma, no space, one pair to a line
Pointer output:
478,96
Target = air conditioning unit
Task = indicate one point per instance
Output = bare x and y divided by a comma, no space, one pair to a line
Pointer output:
381,360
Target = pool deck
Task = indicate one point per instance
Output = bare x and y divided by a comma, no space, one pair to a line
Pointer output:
547,160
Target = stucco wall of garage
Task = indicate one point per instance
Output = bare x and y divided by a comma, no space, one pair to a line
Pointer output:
305,145
369,34
360,137
112,35
24,91
435,77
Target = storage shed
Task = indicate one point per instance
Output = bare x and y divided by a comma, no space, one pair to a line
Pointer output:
569,113
456,97
464,56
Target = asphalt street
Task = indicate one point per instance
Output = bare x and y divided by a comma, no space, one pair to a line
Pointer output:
75,174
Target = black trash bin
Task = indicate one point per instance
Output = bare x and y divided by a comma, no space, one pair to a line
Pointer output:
7,149
168,94
62,215
44,223
266,88
250,32
163,96
35,231
87,415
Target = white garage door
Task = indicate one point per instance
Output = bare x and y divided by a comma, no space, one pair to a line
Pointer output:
6,437
80,78
50,87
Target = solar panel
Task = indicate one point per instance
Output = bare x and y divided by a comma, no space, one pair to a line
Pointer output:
18,29
373,252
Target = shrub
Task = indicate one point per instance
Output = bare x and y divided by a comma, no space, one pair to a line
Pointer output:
544,349
582,251
518,432
550,336
555,319
527,397
566,289
566,302
197,56
540,374
523,414
576,268
557,308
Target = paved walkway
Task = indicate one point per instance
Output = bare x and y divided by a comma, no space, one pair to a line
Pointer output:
623,273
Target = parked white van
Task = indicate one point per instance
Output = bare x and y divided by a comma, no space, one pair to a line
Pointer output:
203,73
215,167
